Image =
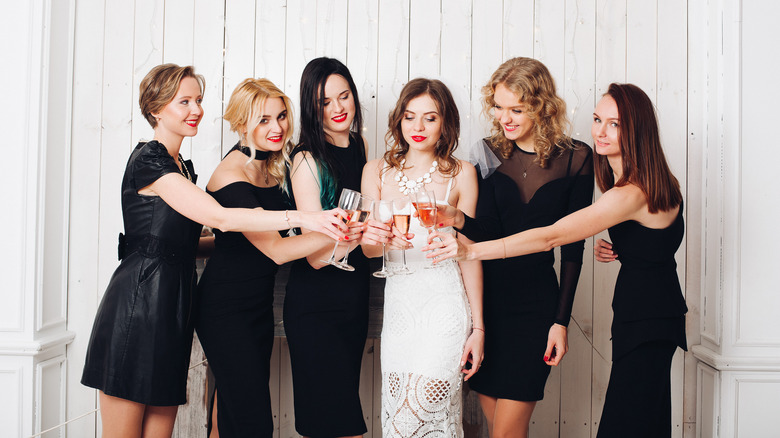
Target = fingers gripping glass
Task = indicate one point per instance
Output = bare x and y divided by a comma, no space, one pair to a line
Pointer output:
359,214
348,202
402,213
383,212
425,203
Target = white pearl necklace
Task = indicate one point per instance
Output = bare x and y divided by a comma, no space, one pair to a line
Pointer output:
407,186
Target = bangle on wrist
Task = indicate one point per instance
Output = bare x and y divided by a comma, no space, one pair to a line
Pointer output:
478,328
287,219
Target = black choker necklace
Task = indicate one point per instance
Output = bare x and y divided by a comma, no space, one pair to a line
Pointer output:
259,155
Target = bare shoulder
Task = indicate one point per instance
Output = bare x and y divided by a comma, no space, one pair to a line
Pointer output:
375,165
627,198
227,172
467,171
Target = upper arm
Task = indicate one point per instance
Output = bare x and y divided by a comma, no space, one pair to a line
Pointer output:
305,182
370,181
187,199
468,189
616,205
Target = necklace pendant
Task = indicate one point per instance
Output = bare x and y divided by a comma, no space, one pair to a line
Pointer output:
524,173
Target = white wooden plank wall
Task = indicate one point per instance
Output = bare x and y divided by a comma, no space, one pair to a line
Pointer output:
586,44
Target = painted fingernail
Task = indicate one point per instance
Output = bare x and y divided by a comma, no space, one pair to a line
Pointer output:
441,224
546,358
346,237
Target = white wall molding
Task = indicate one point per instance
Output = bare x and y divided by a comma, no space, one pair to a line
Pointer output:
36,347
735,362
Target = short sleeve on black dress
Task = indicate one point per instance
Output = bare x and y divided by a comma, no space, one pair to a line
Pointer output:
239,194
152,162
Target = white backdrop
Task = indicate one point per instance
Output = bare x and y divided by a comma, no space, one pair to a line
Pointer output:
586,44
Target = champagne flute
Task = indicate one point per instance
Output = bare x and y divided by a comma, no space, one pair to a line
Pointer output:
425,203
347,201
383,212
362,209
402,213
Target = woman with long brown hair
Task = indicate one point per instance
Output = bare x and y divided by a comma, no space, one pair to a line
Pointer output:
432,324
642,208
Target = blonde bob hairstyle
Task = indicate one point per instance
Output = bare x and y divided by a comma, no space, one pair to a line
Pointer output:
159,87
532,83
246,105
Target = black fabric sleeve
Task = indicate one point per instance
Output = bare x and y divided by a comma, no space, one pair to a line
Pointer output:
239,194
152,162
487,223
571,255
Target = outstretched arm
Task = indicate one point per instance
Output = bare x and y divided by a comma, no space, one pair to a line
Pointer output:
617,205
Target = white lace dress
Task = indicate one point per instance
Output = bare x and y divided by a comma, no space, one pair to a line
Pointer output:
427,320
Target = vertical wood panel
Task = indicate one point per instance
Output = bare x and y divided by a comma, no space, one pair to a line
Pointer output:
610,58
641,45
456,52
366,390
207,58
300,44
84,287
486,56
238,61
286,408
425,25
274,384
393,56
518,27
361,59
270,25
331,38
578,91
147,53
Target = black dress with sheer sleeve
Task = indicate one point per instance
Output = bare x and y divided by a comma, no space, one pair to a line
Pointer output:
522,295
326,323
139,349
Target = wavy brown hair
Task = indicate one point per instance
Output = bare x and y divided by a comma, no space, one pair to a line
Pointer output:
246,103
159,87
644,162
450,125
532,83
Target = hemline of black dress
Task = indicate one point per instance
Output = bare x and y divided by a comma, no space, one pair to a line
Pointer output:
139,349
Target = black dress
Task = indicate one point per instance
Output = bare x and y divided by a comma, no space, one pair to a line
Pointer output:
326,323
236,323
522,296
140,345
648,326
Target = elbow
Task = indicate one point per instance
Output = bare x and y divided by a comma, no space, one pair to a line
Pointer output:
222,222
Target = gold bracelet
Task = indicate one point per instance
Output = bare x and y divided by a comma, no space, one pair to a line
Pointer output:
287,219
503,244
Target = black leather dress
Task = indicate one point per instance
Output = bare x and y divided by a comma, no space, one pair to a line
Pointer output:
140,345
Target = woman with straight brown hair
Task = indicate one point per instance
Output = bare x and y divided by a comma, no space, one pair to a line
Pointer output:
642,208
139,351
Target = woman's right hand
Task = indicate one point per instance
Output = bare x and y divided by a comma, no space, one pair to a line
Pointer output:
446,247
328,222
448,216
603,251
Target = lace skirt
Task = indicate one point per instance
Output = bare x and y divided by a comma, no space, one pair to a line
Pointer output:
427,320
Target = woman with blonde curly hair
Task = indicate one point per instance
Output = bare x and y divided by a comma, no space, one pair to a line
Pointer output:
532,175
236,321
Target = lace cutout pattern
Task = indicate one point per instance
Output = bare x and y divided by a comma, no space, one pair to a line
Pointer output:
426,322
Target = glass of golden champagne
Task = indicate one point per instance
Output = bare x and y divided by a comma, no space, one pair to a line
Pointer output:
402,214
383,212
425,203
360,214
348,201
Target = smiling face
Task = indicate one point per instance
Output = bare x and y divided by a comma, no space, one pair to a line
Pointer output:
338,106
421,124
181,116
268,125
510,113
606,127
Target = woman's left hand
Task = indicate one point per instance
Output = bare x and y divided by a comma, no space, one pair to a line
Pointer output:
355,233
473,353
557,345
447,247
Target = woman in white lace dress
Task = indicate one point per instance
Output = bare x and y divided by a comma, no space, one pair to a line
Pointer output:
432,317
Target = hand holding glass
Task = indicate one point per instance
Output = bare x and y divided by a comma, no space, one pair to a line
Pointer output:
425,203
359,214
383,212
348,201
402,214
